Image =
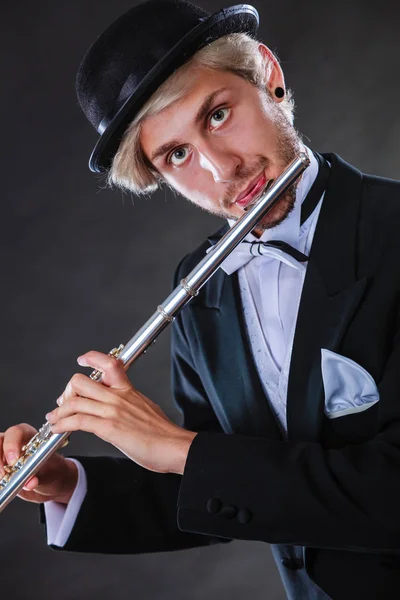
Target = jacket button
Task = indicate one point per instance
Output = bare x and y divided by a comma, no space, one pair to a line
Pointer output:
244,516
229,512
214,506
292,563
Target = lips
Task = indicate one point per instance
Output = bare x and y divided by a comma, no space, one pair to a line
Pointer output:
246,197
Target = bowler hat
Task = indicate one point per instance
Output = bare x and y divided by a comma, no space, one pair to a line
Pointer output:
137,53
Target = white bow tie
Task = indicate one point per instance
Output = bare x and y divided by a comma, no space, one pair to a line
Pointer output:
277,249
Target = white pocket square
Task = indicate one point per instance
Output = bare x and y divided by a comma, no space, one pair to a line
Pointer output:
348,387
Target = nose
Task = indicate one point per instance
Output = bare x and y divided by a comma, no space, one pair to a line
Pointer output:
221,164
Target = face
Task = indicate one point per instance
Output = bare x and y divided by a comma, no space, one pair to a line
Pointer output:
221,144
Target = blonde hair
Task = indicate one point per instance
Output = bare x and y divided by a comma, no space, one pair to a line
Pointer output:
237,53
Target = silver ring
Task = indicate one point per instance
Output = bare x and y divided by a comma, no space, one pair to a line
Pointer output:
191,291
164,313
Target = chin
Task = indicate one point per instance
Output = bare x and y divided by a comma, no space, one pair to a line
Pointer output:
278,213
275,216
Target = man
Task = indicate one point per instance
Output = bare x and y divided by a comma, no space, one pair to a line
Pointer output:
293,354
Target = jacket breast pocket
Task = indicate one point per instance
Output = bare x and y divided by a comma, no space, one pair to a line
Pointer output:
351,398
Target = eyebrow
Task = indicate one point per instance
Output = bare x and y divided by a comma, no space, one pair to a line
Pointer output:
207,104
201,114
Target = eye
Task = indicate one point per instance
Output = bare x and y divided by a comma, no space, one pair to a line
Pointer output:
178,156
219,116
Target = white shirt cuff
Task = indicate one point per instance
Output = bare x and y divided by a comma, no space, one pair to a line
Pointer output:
60,518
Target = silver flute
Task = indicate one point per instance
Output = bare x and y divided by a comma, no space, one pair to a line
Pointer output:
45,443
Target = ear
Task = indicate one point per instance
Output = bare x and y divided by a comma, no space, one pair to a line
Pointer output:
274,73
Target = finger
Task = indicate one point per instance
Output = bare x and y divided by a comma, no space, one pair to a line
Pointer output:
31,495
82,422
2,472
2,461
31,484
81,385
82,405
14,438
112,369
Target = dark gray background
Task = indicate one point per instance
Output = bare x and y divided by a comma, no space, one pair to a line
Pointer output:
83,267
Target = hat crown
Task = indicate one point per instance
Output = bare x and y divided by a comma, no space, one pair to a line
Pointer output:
127,50
131,59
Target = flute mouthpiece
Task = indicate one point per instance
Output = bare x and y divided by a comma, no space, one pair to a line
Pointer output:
260,193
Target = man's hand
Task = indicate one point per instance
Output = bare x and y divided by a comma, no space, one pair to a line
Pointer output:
119,414
55,480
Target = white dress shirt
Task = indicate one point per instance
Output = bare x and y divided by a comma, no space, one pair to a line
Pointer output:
60,518
270,291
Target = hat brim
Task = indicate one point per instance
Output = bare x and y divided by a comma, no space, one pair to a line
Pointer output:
242,18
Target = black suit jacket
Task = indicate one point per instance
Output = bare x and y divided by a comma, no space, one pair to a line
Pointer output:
334,486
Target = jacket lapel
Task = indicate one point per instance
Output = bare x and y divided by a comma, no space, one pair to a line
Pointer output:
232,381
331,294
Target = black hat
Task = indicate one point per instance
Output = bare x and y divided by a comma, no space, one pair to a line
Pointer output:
137,53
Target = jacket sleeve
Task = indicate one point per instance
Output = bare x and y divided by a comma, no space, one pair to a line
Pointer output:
298,492
128,509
